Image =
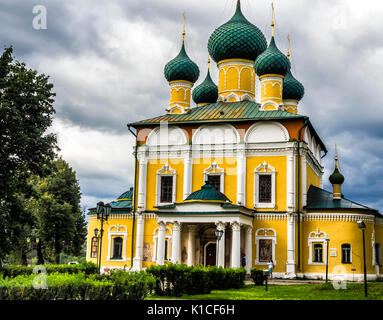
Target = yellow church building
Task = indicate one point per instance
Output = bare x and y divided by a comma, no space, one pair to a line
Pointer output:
238,174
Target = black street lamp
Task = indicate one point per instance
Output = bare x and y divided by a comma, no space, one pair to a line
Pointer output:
362,226
103,212
327,239
218,234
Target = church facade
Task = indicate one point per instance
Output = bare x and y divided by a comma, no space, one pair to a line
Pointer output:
236,179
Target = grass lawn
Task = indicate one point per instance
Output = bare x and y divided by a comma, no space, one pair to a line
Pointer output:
353,291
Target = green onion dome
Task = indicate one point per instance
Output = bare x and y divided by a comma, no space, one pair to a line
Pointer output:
207,193
206,92
292,88
336,177
128,195
272,61
181,68
237,38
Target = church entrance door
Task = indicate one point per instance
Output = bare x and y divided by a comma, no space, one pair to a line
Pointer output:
211,254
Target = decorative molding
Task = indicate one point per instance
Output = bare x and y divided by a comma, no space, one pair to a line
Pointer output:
215,170
262,170
266,128
263,233
166,170
121,231
317,237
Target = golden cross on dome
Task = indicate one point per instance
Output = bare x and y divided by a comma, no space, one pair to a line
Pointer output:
183,32
208,62
336,157
288,48
272,22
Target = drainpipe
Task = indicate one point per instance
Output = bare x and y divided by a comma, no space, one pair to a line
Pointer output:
134,196
305,123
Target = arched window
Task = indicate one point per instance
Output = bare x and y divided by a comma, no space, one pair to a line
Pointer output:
378,254
94,247
346,253
318,252
117,248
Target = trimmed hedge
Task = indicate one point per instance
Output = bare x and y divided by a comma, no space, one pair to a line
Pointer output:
17,270
257,276
119,285
179,279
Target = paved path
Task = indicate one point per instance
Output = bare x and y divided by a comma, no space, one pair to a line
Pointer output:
288,281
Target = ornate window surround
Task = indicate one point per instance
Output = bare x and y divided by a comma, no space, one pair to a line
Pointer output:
259,236
166,170
215,170
313,238
122,231
257,172
168,237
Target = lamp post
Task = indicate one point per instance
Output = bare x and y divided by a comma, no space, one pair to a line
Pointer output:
327,239
103,212
218,234
362,226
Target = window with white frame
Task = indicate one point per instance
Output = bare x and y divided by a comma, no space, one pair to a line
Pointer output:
166,185
264,186
265,241
215,176
346,253
94,247
117,237
378,254
317,248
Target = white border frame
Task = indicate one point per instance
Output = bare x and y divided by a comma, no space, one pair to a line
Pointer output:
317,237
217,171
257,173
164,172
118,233
258,237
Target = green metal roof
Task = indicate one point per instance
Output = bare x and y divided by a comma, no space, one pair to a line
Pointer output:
221,112
128,195
318,198
237,38
272,61
207,193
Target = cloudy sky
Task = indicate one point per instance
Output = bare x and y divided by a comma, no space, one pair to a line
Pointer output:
106,60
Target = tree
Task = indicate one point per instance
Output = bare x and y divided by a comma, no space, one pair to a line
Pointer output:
26,111
61,224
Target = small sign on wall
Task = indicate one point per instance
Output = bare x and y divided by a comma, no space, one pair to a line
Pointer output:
333,252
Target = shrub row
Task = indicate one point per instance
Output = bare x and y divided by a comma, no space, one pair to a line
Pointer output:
119,285
179,279
257,276
17,270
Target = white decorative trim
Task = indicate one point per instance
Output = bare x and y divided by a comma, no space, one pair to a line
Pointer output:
262,170
162,131
178,107
219,127
232,95
215,170
166,170
267,124
317,237
259,236
121,231
337,217
168,237
269,103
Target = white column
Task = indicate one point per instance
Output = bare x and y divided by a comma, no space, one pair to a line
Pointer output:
290,265
249,248
304,181
236,245
137,261
176,243
221,245
161,243
241,175
188,173
142,183
191,245
290,183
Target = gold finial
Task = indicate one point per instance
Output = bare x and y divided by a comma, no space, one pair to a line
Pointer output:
336,157
183,32
208,62
272,22
288,48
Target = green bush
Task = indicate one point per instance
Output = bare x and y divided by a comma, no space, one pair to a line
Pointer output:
179,279
18,270
257,276
131,285
119,285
